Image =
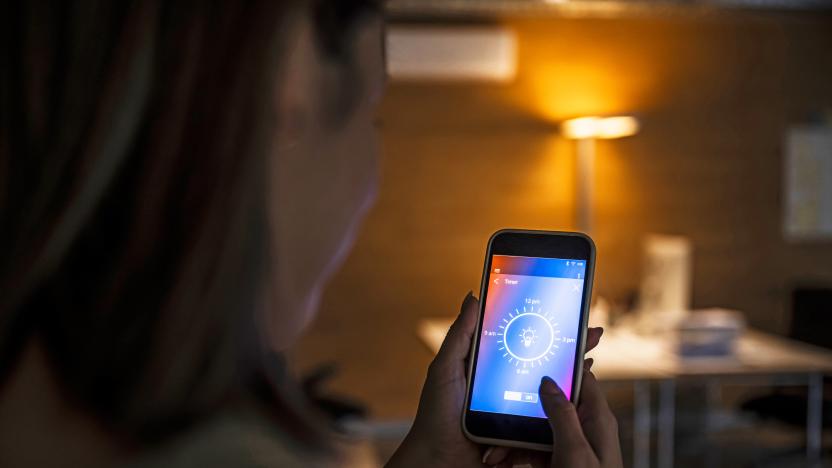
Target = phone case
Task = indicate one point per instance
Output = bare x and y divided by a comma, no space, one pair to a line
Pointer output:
590,276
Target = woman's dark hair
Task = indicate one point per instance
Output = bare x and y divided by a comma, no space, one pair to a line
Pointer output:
133,143
334,21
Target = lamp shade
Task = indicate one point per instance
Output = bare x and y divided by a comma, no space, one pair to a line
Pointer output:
600,127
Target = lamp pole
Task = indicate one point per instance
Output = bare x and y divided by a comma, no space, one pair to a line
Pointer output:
585,130
584,186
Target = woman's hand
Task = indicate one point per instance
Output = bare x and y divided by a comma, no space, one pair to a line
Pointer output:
586,437
436,437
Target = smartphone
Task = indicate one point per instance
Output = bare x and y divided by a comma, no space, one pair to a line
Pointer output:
534,307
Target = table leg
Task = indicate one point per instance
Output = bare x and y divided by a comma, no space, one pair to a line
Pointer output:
814,419
713,405
666,422
641,424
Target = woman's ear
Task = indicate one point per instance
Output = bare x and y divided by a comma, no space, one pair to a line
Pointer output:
294,92
372,56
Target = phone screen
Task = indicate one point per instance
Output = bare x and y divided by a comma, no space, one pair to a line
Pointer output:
530,329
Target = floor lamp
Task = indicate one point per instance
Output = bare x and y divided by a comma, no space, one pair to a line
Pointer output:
585,130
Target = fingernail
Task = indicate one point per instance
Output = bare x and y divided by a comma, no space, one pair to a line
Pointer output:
588,364
468,299
548,386
601,332
486,454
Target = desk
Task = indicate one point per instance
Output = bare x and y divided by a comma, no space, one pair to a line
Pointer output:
645,360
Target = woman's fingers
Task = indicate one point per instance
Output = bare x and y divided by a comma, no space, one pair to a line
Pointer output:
588,364
593,337
599,424
570,446
507,457
526,459
457,342
495,455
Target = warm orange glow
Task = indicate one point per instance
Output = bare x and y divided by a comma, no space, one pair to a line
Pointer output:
600,127
584,68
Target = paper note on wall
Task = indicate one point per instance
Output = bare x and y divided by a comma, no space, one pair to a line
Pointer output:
808,183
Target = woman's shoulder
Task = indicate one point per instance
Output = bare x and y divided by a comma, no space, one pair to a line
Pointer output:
244,440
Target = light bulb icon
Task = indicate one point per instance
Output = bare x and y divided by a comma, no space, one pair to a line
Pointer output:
529,336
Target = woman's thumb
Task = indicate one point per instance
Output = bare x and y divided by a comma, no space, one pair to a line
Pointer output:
566,428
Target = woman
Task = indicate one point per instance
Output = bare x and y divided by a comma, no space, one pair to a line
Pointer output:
178,182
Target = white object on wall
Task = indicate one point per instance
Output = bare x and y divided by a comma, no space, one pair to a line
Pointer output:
808,183
480,53
665,292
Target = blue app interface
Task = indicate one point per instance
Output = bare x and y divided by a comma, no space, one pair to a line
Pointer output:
530,329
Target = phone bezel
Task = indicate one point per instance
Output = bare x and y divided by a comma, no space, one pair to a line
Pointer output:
522,431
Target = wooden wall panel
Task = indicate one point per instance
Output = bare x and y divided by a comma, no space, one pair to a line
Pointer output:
715,94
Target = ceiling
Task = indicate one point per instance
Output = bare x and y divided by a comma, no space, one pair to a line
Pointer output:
486,8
